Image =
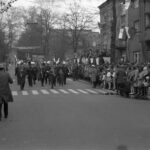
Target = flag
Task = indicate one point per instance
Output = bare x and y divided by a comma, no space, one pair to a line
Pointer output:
127,32
121,33
91,59
97,61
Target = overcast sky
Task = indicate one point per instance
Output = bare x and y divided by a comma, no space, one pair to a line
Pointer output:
62,6
92,3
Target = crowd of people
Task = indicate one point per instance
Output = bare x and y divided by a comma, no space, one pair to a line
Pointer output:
126,79
43,73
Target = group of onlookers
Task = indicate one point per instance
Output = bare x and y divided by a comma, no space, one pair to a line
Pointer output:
125,79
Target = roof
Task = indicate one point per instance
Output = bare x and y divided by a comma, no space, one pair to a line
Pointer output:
103,4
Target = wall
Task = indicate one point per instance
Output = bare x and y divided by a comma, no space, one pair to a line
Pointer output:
106,15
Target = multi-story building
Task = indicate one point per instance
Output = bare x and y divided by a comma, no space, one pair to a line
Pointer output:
134,45
144,29
106,18
121,30
132,29
139,30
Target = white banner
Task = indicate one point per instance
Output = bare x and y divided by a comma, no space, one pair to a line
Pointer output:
97,61
57,62
83,60
127,32
121,33
91,59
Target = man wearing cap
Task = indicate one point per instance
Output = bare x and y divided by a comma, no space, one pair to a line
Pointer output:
5,92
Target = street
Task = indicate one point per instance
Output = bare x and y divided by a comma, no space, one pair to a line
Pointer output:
74,120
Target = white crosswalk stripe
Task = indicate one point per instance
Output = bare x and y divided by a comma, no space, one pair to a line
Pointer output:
35,92
82,91
45,91
92,91
25,93
54,91
14,93
63,91
58,91
73,91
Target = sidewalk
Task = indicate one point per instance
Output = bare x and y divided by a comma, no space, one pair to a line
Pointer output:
102,91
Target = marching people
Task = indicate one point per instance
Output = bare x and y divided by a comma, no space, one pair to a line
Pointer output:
5,91
42,76
51,78
93,76
17,74
22,75
30,75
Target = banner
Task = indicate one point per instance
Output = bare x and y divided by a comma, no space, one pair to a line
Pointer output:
91,60
97,61
57,62
127,32
83,60
121,33
78,60
106,59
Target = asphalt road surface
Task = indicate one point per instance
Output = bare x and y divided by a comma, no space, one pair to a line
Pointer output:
74,118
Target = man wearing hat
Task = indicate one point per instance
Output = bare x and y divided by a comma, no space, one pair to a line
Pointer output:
5,92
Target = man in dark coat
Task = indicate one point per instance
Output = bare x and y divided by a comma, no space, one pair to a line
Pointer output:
30,75
5,92
22,77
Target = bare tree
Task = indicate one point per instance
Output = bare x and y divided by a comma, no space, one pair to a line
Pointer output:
78,20
48,20
13,25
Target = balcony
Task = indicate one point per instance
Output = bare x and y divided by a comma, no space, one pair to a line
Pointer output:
121,44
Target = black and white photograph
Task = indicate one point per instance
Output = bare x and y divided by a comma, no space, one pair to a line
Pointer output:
74,74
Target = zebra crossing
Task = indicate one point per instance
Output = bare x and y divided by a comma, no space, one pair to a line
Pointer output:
57,92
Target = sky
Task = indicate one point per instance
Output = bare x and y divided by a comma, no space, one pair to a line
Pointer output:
62,5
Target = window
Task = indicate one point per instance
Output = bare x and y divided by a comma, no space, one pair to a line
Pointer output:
137,26
147,20
135,3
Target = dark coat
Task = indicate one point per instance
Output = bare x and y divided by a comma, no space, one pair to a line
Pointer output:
5,91
121,75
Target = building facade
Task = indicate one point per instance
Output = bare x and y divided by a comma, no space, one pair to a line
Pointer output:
145,29
132,29
121,30
106,18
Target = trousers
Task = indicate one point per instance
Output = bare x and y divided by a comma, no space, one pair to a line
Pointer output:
5,109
